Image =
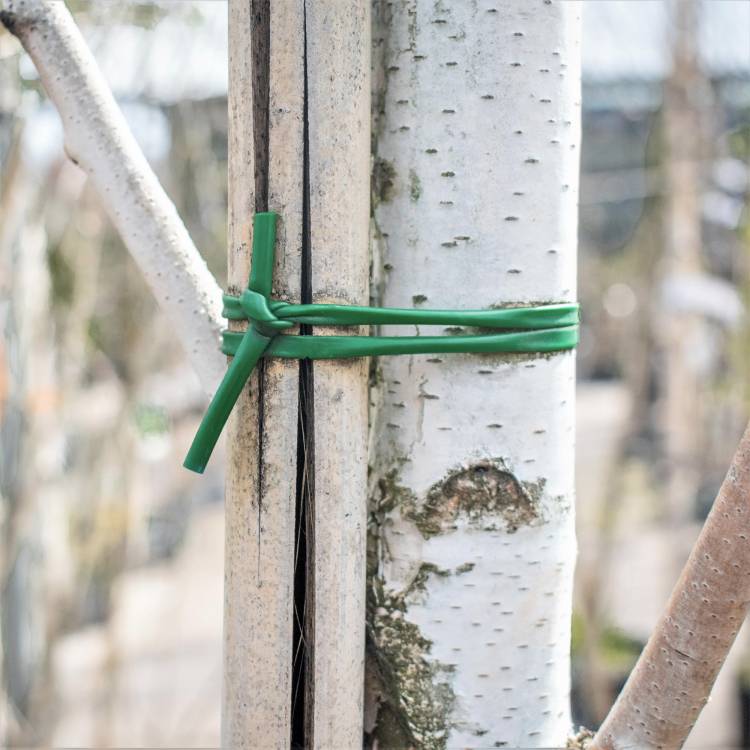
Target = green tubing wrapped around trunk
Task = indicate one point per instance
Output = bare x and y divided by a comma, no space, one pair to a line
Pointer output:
544,328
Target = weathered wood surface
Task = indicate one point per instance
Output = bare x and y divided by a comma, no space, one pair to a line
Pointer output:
262,434
338,68
278,687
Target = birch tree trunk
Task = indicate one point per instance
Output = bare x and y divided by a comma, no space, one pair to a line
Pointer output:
296,485
472,544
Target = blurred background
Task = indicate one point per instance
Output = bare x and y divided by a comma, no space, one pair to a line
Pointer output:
111,555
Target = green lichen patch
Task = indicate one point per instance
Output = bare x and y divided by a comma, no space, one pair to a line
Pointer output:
465,568
383,181
413,692
485,493
391,494
582,740
415,186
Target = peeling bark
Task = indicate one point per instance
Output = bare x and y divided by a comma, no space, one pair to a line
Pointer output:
485,496
471,547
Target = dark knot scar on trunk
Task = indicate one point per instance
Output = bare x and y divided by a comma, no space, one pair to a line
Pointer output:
486,494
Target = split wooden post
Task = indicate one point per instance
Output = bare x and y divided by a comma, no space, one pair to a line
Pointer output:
262,463
338,110
296,475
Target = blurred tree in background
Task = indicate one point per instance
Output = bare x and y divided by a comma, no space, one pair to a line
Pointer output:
96,401
664,257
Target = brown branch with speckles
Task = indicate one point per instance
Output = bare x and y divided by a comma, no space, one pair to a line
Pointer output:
675,673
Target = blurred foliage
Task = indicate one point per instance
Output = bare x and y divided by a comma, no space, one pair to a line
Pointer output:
136,12
98,539
151,419
739,141
144,13
62,276
617,651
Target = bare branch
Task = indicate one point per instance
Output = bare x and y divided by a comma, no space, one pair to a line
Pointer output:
675,673
98,139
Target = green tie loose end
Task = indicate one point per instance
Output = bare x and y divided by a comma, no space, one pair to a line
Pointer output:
546,328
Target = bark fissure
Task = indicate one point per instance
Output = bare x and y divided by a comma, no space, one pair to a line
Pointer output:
260,41
303,698
261,62
415,698
412,696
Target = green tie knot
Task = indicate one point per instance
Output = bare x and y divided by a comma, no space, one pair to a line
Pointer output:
261,315
535,329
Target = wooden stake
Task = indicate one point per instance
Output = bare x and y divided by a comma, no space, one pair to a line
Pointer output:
338,108
265,167
296,488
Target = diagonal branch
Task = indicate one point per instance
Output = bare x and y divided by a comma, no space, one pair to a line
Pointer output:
675,673
98,139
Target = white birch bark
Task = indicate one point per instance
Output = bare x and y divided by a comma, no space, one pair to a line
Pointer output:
473,548
98,139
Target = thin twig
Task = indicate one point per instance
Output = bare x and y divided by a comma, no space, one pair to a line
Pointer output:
98,139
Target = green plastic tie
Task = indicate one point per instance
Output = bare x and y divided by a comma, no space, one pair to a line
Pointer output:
546,328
